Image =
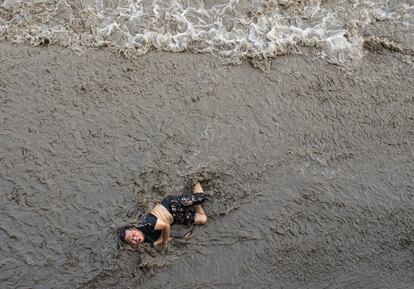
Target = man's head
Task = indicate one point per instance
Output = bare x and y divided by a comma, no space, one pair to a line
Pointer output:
131,235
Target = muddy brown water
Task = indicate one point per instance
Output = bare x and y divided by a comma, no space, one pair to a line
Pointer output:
310,165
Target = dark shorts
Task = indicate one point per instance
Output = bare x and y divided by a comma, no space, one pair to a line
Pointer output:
181,207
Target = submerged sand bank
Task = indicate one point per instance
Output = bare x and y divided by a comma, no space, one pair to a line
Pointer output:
311,165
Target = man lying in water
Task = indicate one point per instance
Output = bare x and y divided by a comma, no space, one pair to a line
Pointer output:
156,226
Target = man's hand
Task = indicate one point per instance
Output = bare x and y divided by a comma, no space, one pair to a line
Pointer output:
166,232
158,242
165,246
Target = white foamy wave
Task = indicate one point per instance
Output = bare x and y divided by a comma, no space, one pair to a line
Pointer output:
236,29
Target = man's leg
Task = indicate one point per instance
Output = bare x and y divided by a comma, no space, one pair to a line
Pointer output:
198,188
200,217
196,198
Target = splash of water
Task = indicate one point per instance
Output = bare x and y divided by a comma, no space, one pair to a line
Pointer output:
236,29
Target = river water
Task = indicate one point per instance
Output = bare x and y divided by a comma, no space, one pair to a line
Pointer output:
238,29
312,180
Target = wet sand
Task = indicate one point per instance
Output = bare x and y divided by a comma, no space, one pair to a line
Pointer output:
311,167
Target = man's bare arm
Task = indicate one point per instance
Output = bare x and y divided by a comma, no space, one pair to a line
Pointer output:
166,231
166,236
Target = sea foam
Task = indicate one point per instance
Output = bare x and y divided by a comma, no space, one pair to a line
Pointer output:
235,29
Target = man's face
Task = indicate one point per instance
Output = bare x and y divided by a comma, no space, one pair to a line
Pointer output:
134,236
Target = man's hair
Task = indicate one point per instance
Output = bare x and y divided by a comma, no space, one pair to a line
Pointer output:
122,232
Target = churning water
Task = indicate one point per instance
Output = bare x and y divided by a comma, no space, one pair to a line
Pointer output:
236,29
